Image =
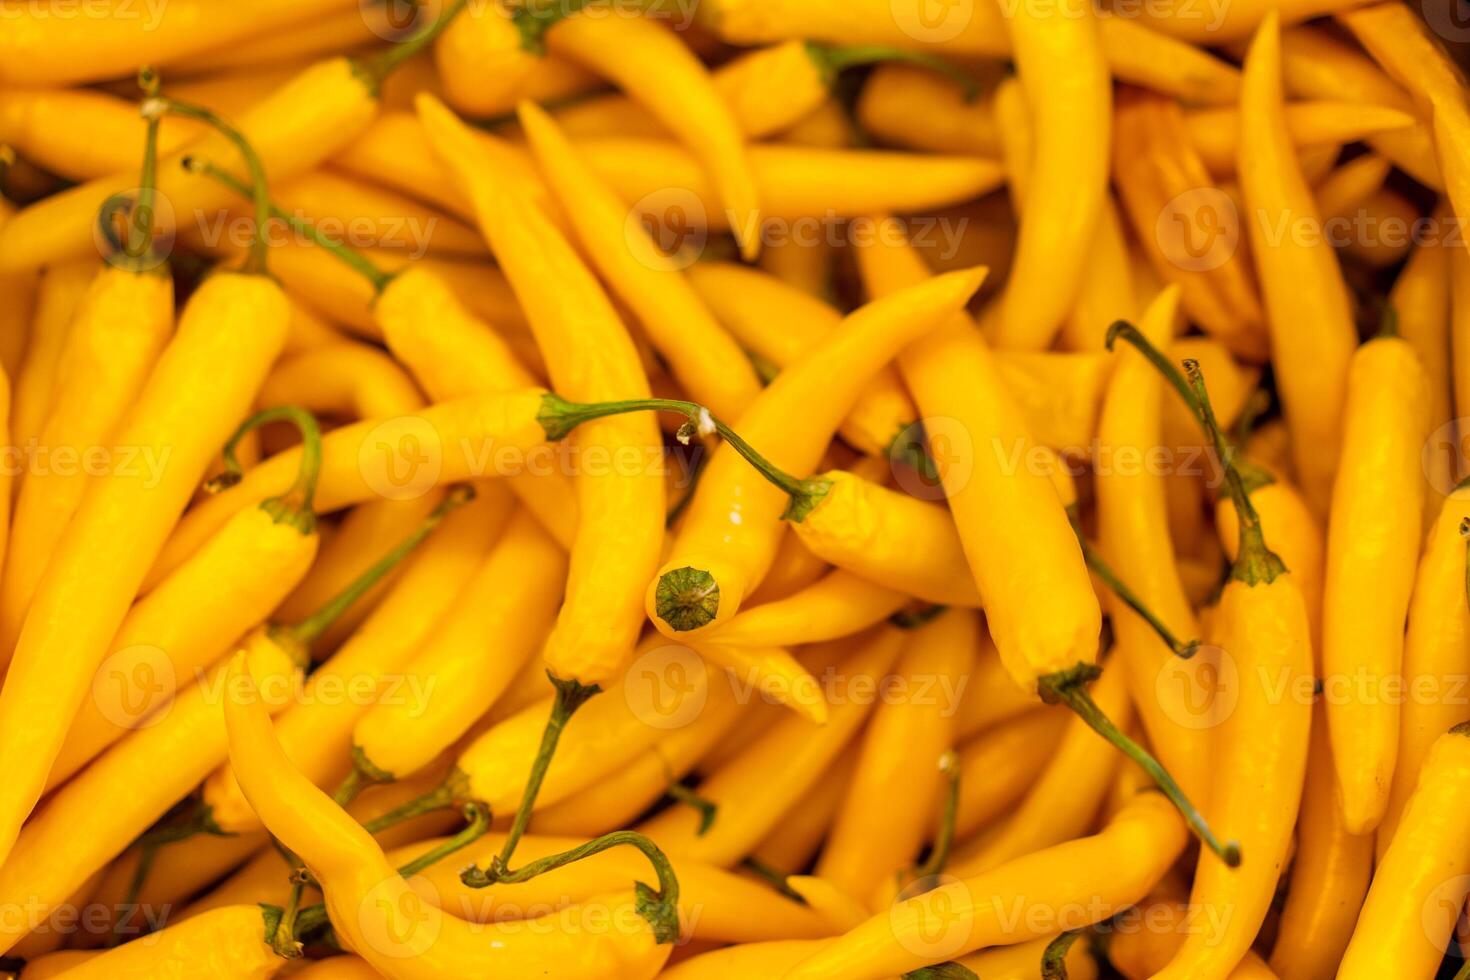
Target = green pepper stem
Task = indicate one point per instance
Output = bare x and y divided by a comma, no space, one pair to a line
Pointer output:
1254,562
831,60
1069,687
533,21
949,970
934,864
447,794
373,71
1054,960
558,417
350,257
140,236
362,775
660,908
708,809
570,695
255,261
1464,972
772,877
478,817
199,820
1104,571
1465,533
293,507
310,629
283,942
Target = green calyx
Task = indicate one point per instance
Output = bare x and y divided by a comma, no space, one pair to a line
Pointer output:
942,971
831,60
687,598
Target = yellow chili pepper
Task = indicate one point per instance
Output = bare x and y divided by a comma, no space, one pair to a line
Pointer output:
1306,300
1133,533
779,323
794,843
393,928
80,133
886,814
1153,935
378,217
1263,628
507,607
1158,173
836,605
332,33
58,295
1064,799
620,530
486,70
229,586
188,733
1069,885
1320,64
703,358
68,50
998,766
1415,899
343,379
1059,59
1105,286
1386,207
716,904
317,731
338,968
301,124
730,533
952,375
886,536
1433,653
1372,550
1408,52
230,332
1421,301
1329,874
744,960
654,67
172,875
126,789
116,334
902,105
991,697
1213,132
225,941
752,792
